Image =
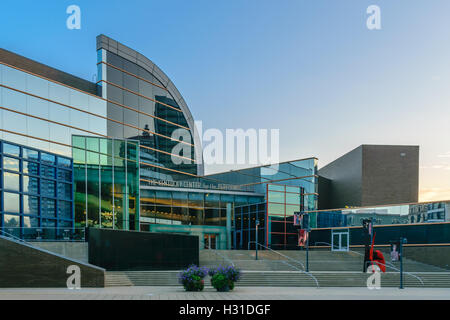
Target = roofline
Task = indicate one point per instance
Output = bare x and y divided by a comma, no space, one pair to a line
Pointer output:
265,165
43,70
381,206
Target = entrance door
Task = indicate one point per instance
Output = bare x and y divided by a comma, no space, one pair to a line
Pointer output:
210,241
340,240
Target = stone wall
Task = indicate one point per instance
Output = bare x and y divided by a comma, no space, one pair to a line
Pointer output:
25,266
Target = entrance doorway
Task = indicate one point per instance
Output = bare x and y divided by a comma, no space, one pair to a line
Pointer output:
340,240
210,241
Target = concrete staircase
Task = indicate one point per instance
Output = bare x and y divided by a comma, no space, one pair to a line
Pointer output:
331,269
319,260
283,279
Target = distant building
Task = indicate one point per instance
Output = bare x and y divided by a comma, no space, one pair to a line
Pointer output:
370,175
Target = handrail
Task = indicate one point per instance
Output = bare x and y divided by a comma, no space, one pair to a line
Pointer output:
289,258
220,255
390,265
12,236
279,253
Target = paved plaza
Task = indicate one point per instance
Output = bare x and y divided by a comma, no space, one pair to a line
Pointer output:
240,293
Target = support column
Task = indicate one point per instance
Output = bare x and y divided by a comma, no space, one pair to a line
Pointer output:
229,226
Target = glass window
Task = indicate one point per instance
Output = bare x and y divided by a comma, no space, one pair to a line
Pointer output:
30,154
12,202
47,188
63,162
11,181
47,172
64,190
47,223
293,198
30,185
11,221
275,187
30,222
48,158
11,149
64,210
293,189
30,168
48,207
64,175
11,164
92,144
64,224
30,205
277,197
276,209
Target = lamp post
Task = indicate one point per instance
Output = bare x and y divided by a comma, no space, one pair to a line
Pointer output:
402,241
256,240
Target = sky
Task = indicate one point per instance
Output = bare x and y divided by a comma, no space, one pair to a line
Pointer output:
309,68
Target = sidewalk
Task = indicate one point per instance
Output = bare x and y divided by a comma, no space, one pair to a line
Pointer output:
240,293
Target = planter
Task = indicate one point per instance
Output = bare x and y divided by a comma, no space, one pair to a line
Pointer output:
223,278
224,289
195,286
192,278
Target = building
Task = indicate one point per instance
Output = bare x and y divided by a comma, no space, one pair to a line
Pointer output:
77,154
425,225
371,175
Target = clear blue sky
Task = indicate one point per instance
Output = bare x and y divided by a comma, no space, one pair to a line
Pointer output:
309,68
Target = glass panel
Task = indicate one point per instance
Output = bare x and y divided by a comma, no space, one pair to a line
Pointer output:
63,162
277,197
48,158
30,205
11,164
276,209
48,207
30,154
48,172
30,168
47,188
64,210
11,202
11,221
274,187
64,175
93,191
64,191
292,198
11,149
11,181
30,185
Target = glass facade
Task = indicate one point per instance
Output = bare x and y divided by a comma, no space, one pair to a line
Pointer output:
189,208
132,140
44,114
245,220
35,191
106,183
135,96
282,202
417,213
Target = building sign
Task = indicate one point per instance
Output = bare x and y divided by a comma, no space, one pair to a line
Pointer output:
196,185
